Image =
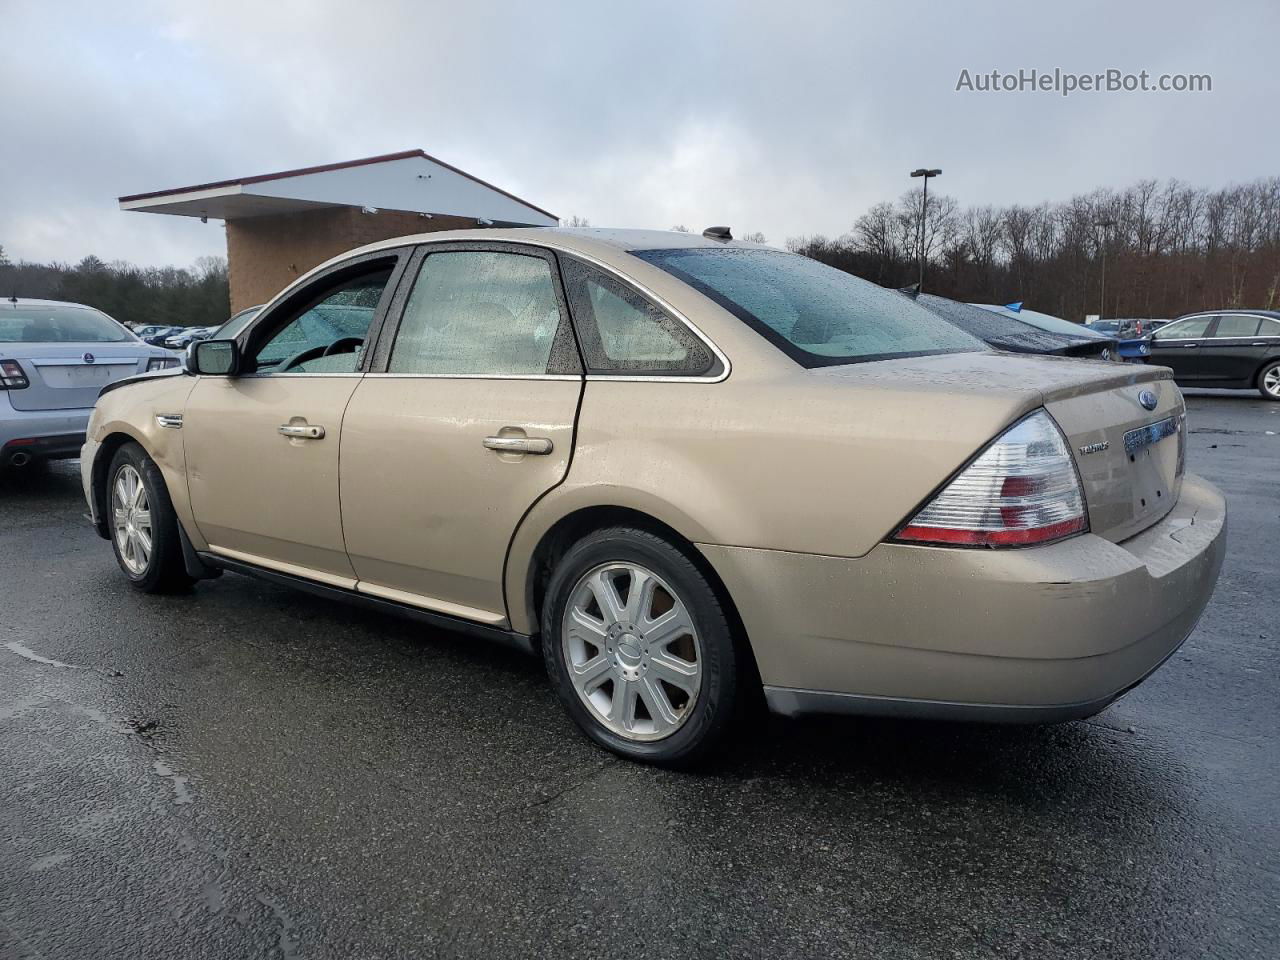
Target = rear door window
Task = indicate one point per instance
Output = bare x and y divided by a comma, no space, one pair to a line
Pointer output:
1236,325
480,312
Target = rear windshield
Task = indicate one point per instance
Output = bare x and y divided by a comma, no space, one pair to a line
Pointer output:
58,324
817,315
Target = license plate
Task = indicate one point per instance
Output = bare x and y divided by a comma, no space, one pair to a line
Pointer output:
1135,440
84,375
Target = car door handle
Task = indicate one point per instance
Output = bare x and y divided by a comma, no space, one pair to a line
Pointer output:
538,445
1258,344
301,431
1190,346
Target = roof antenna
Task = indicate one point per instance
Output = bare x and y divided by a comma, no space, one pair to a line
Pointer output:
1015,307
912,291
718,233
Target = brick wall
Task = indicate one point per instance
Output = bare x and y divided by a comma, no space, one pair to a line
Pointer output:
266,254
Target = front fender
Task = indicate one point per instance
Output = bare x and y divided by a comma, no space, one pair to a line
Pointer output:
130,413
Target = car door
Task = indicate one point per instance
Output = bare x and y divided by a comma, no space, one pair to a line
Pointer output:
1268,341
1178,344
262,446
465,421
1232,352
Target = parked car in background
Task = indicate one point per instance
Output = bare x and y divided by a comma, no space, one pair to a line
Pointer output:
54,358
679,468
1131,335
231,329
1236,349
1012,333
179,341
1044,321
156,334
228,330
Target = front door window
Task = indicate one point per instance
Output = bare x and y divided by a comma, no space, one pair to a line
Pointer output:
329,335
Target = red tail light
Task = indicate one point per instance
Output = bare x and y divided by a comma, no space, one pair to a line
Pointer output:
12,376
1022,489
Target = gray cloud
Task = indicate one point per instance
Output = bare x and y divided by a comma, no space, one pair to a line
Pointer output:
790,118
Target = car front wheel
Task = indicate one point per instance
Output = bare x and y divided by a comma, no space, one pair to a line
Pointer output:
640,649
143,525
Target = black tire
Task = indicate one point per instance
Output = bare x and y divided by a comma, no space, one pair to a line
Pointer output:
719,699
1272,368
164,571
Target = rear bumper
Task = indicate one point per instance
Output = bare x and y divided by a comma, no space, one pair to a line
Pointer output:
43,434
1036,635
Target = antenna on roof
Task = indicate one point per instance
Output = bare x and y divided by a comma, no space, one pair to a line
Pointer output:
718,233
912,291
1015,307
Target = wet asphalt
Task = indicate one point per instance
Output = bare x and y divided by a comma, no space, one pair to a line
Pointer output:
249,772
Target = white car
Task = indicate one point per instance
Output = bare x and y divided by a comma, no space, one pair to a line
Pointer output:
54,358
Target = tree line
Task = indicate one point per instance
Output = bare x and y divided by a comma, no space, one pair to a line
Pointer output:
195,296
1168,248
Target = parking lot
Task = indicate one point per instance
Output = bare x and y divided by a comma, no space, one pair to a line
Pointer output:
248,771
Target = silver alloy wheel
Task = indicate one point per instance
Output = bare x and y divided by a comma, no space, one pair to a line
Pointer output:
131,519
1271,382
632,651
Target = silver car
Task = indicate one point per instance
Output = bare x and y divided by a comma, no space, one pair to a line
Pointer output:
54,358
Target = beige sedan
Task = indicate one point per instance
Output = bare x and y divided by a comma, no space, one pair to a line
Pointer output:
685,471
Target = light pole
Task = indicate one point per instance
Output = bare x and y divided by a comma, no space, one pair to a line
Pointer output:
1102,296
924,212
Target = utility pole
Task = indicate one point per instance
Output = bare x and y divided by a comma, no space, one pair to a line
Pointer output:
1102,296
924,213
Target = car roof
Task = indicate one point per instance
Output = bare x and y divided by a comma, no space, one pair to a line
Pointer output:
36,302
1273,314
582,239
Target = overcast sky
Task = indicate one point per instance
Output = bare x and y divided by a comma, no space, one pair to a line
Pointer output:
785,117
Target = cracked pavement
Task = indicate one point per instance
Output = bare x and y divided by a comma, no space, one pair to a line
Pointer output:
251,772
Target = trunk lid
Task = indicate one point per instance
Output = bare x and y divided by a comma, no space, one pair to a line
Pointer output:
68,376
1096,403
1130,458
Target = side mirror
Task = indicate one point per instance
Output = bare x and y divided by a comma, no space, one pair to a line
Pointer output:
215,358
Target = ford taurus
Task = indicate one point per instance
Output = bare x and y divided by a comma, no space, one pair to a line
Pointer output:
685,471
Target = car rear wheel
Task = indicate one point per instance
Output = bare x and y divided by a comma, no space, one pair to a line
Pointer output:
1269,381
640,649
142,523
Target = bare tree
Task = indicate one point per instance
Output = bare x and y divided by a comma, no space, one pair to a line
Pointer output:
1170,248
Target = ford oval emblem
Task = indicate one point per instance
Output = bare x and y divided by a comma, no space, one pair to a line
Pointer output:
88,358
1148,400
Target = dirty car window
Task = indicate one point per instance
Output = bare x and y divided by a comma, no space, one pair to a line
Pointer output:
815,314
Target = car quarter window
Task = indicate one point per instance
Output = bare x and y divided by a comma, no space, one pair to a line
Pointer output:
1187,329
1236,325
328,336
481,312
1269,328
621,332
